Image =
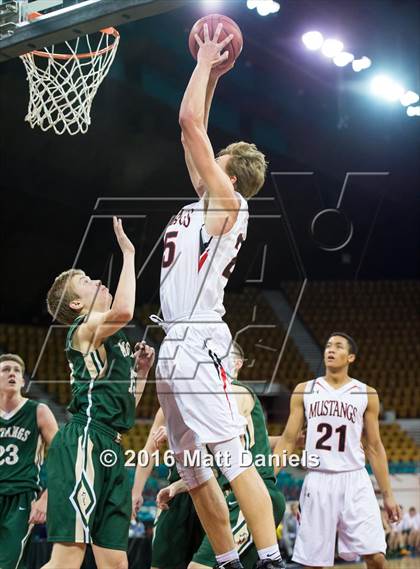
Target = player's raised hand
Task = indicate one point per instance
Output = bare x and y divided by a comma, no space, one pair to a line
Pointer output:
144,356
123,241
210,51
392,509
160,436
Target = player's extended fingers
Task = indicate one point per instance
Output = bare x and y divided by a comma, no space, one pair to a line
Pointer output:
222,58
119,232
206,33
218,32
198,40
225,42
121,228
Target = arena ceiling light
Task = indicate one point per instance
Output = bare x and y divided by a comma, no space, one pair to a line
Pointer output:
386,88
413,111
409,98
313,40
343,58
361,64
332,47
264,7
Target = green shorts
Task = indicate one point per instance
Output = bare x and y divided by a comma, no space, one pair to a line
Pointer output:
89,499
177,534
241,534
15,530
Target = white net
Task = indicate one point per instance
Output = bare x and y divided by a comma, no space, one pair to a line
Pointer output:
62,86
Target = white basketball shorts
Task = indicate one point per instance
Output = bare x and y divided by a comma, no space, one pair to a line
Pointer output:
193,386
342,503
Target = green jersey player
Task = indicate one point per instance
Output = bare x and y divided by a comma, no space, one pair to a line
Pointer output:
89,490
26,427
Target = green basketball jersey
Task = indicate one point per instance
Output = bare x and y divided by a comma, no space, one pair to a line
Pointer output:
21,450
256,440
103,382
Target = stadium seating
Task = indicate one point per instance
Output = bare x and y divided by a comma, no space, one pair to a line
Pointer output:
43,354
382,316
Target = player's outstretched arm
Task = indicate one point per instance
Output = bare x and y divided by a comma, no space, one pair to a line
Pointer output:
192,169
101,325
222,199
288,440
376,455
143,472
215,75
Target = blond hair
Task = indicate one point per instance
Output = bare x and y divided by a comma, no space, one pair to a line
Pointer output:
60,295
249,166
13,358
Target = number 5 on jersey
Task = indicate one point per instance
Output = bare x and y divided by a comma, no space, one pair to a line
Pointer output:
169,249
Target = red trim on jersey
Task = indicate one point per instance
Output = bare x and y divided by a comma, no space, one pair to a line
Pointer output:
352,387
222,375
202,260
225,380
320,385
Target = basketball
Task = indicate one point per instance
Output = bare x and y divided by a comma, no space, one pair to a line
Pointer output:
229,27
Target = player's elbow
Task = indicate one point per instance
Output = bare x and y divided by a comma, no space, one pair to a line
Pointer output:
374,448
188,122
122,314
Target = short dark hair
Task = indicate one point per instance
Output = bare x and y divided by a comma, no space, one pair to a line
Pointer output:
353,349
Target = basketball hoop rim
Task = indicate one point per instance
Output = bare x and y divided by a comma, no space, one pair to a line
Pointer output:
65,56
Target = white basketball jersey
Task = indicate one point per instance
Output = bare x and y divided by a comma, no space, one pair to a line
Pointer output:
197,266
334,424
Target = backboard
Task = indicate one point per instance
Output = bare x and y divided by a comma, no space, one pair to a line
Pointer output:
64,20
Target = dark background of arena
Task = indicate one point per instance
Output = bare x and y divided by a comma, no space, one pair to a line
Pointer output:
303,112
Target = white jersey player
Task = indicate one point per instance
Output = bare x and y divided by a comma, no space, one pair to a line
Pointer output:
202,262
338,496
194,356
200,248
